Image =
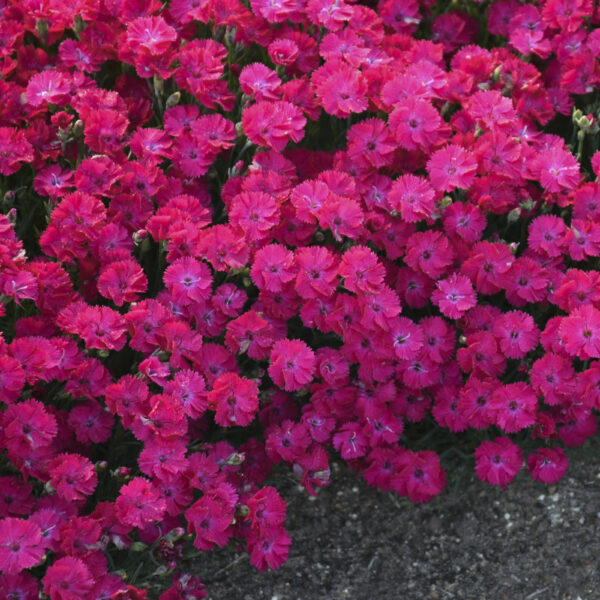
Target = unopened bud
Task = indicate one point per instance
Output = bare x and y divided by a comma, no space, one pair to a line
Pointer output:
319,236
139,236
100,466
78,128
577,114
235,459
462,340
173,99
514,215
175,534
103,353
12,216
496,73
138,547
48,488
243,510
239,129
78,25
9,197
41,26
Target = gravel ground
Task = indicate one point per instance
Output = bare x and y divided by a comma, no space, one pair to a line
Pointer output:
476,542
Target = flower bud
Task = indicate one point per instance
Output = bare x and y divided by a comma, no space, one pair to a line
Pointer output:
514,215
41,26
235,459
173,99
138,547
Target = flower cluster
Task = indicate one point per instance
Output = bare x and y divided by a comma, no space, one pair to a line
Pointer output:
239,235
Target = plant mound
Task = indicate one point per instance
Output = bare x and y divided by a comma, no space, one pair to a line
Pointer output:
235,234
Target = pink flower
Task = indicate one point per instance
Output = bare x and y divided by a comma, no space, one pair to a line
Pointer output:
580,332
498,461
68,579
273,267
416,123
150,34
407,338
454,296
73,476
429,252
517,334
122,281
556,169
451,167
259,81
269,549
139,503
419,476
547,465
514,406
341,89
21,545
267,509
188,280
273,124
361,270
254,213
412,197
235,400
292,364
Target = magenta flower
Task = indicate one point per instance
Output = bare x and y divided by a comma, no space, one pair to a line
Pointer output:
498,461
21,545
454,296
548,465
451,167
292,364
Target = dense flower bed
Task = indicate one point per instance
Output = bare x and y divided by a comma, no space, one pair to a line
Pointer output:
240,234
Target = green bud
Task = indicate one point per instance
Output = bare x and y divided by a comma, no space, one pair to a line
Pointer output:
173,99
138,547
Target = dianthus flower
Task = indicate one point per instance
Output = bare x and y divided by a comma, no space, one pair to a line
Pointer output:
250,333
72,476
498,461
516,333
188,280
273,124
341,89
547,235
486,262
547,465
292,364
451,167
259,81
317,272
101,327
343,216
580,332
412,197
210,522
419,475
556,169
514,406
269,549
266,509
361,270
416,123
68,578
234,400
454,296
407,338
254,213
14,150
150,34
139,503
429,252
122,281
21,545
370,144
273,267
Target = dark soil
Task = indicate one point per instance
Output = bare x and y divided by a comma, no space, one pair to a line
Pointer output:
530,542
